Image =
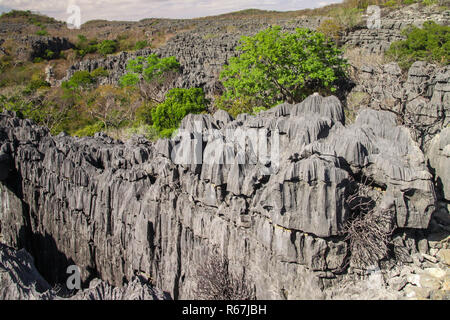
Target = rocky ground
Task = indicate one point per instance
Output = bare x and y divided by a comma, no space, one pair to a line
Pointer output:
120,209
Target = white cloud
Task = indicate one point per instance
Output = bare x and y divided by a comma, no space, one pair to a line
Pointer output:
139,9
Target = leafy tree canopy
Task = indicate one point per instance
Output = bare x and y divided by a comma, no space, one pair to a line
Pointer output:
167,116
275,66
79,79
107,47
149,68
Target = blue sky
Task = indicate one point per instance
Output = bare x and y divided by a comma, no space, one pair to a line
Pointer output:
140,9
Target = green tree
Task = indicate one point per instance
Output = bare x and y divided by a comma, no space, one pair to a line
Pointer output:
129,79
276,66
42,32
179,103
151,74
141,44
85,46
80,79
107,47
150,68
99,73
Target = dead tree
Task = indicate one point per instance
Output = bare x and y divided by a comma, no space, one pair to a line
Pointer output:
369,229
216,282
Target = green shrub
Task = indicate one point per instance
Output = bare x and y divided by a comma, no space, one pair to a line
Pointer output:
49,54
348,17
330,28
85,46
150,68
5,62
31,17
17,13
107,47
80,79
143,114
90,130
25,109
429,2
99,73
146,130
34,85
141,45
430,43
276,66
42,32
81,38
179,103
257,110
390,3
236,106
20,73
129,79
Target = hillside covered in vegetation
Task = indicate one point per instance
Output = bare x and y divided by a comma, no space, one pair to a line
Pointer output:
85,103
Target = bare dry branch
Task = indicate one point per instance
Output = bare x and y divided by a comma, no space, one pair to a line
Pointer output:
216,282
369,230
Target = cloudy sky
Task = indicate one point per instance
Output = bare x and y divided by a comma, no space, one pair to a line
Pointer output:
140,9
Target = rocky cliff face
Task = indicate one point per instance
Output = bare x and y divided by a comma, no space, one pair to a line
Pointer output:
31,47
421,97
377,39
439,161
20,280
274,203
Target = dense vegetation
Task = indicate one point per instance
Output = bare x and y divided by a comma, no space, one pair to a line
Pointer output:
148,69
178,104
430,43
85,46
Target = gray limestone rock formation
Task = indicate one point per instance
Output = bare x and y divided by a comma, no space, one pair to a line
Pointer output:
134,290
20,280
378,38
439,160
420,99
269,191
37,47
